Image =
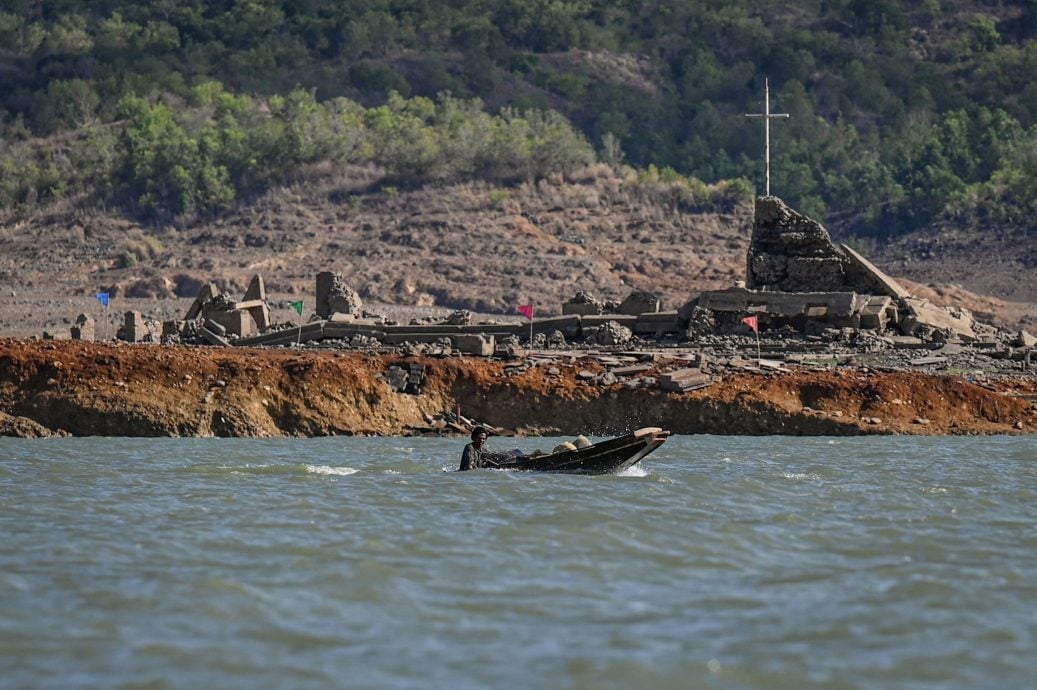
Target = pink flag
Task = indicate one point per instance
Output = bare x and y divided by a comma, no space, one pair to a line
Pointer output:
753,323
526,310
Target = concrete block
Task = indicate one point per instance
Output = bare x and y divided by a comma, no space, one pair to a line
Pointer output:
685,380
639,302
568,325
816,304
441,328
632,369
921,313
413,337
256,290
133,329
260,314
287,336
209,292
213,338
478,345
877,313
928,361
581,309
174,327
907,342
237,322
657,323
888,286
345,330
657,317
732,299
787,304
499,330
215,327
83,329
628,320
339,317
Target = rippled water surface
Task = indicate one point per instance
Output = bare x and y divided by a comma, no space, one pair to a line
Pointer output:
721,562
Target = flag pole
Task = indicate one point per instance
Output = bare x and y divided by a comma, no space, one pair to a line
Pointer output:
753,322
528,310
104,298
298,307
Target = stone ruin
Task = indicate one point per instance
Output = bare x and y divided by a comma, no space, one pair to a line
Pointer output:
797,281
796,276
789,252
335,297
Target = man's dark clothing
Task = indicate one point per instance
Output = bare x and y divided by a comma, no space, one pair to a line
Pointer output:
473,458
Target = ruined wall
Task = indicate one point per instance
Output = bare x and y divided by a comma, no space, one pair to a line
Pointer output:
790,252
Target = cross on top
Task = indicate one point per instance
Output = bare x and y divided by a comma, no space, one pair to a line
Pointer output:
767,116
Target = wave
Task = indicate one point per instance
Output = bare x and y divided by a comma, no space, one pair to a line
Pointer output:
272,469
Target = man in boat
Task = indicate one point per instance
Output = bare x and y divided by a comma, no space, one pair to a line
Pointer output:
475,454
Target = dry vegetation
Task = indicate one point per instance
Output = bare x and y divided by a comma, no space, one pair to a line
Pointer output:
472,246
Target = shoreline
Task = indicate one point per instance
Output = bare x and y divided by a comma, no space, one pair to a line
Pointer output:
76,388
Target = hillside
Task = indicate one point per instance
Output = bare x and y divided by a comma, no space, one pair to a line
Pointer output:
436,249
903,115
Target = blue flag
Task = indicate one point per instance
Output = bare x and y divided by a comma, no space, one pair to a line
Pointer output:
102,297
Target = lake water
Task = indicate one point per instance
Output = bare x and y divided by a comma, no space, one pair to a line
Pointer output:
721,562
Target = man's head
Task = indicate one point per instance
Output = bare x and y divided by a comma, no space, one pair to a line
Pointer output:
479,436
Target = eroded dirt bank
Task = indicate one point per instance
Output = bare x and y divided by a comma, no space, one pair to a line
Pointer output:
92,389
89,389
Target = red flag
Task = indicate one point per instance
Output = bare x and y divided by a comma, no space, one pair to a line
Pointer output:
753,323
526,310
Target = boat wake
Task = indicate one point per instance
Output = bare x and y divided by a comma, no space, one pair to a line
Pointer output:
633,471
271,469
325,469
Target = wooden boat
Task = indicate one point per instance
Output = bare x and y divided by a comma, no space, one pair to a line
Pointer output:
605,457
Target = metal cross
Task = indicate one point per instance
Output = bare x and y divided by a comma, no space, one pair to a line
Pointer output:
767,116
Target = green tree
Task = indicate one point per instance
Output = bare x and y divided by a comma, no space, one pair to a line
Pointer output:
165,170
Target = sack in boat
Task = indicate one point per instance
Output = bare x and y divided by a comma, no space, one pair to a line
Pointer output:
562,447
582,441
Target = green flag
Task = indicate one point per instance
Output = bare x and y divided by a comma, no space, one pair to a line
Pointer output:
297,306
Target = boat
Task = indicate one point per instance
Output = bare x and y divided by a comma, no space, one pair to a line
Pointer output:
605,457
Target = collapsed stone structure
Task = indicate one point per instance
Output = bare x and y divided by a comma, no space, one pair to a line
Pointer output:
796,278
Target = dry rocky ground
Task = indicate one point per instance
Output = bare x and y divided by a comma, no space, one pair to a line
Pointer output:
481,248
427,252
430,251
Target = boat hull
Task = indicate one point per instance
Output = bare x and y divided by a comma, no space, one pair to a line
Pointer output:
605,457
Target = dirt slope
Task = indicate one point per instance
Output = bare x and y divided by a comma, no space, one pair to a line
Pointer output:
475,247
148,390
